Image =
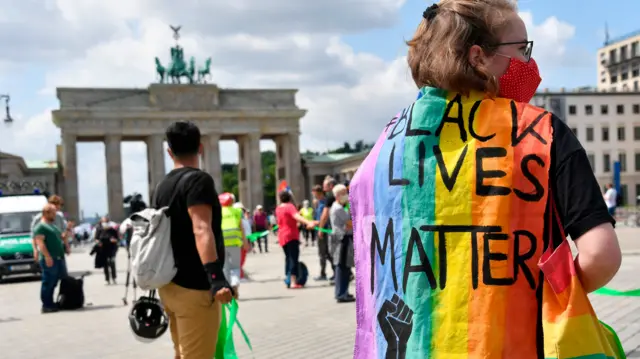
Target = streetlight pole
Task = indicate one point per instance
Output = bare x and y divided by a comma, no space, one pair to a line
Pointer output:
8,120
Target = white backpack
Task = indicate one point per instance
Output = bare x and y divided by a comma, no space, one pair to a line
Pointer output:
152,258
151,253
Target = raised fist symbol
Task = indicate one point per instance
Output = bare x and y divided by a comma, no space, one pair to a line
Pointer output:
396,322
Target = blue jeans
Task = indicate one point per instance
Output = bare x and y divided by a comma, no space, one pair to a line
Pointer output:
291,255
50,277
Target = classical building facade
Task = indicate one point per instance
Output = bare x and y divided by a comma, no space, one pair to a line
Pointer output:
116,115
342,166
608,126
20,176
619,64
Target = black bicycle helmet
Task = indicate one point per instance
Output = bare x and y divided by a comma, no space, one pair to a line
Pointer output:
147,319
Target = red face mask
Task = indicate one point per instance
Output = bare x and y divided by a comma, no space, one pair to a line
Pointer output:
521,80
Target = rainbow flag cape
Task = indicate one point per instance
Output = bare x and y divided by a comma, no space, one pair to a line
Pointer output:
448,212
449,218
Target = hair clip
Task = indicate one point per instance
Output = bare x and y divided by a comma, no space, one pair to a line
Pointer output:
431,12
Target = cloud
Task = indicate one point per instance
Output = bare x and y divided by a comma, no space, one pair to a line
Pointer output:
350,95
552,49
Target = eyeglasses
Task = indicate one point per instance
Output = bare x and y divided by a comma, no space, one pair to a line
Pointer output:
526,50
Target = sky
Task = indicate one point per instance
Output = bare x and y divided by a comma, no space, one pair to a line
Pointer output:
347,57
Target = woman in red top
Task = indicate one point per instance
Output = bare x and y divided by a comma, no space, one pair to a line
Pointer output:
288,217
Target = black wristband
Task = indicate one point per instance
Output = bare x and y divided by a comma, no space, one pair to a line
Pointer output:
214,273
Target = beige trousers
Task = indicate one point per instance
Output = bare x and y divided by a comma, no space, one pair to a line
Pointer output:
193,320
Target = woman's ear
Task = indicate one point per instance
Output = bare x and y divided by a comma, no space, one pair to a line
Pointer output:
476,56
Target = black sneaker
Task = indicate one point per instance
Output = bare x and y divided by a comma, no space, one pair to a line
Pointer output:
347,299
49,310
321,278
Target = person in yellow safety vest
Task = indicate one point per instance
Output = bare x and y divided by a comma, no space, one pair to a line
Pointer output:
307,213
234,240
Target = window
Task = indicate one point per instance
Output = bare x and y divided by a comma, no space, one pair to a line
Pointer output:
622,158
621,133
636,133
604,79
575,131
635,73
624,76
590,134
620,109
624,191
572,109
19,222
604,109
605,134
634,49
614,79
623,53
588,109
612,56
635,85
606,160
637,194
636,109
637,164
592,161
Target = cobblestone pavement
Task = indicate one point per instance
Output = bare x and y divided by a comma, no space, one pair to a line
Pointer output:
281,323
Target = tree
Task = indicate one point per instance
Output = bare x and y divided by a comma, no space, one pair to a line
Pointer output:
268,162
358,147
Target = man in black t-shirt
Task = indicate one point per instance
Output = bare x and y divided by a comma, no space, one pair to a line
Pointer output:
193,299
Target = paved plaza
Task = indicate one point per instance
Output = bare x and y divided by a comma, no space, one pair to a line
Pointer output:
281,323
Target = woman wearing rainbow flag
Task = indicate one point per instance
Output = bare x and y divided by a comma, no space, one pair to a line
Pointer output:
460,209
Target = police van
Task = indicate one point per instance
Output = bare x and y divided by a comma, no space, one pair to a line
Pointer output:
16,249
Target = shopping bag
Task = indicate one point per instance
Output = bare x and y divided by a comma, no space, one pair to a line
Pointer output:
570,326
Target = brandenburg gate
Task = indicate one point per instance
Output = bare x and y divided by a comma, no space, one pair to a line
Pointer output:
113,115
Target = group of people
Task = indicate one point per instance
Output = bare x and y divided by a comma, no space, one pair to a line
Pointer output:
465,53
52,236
50,233
328,222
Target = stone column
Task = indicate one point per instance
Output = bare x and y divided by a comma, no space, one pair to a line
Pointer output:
288,165
211,158
282,158
114,177
256,190
294,174
155,162
70,167
250,170
243,165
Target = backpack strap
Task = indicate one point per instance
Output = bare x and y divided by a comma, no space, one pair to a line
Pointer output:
178,186
154,200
